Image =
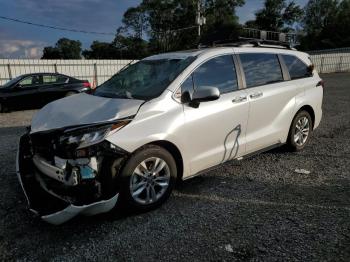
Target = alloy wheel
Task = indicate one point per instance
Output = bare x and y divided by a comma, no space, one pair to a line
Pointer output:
150,180
302,130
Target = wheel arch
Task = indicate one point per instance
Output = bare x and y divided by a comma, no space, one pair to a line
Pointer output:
308,109
174,151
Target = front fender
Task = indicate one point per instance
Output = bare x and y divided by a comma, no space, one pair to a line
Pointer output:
159,121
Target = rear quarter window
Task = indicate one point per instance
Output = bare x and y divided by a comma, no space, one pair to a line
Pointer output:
297,68
62,79
261,69
49,79
54,79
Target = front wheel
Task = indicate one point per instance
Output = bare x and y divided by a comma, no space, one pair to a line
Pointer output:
147,178
300,131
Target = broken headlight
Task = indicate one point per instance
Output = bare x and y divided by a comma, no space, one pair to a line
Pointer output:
84,137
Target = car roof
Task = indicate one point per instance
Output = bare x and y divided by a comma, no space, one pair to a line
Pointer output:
175,55
197,52
47,73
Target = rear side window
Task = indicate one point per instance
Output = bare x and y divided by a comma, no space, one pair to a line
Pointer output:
261,69
54,79
47,79
296,67
218,72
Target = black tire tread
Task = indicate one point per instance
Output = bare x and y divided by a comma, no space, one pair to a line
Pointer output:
290,141
125,199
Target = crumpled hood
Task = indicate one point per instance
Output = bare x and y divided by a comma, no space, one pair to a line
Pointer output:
82,109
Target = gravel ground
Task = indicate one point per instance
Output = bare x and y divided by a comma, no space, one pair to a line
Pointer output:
255,209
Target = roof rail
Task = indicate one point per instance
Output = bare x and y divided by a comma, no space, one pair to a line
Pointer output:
254,42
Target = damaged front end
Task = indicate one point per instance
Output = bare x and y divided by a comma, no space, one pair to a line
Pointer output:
70,171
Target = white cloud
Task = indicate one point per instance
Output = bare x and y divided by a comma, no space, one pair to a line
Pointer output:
72,13
21,48
34,52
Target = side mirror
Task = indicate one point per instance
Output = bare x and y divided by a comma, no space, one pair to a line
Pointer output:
18,86
203,95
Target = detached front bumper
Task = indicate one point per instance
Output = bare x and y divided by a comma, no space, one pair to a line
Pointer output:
50,208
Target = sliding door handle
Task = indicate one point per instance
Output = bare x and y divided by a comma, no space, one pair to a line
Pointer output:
256,95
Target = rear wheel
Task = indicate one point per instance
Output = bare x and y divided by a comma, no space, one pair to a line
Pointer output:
147,178
300,131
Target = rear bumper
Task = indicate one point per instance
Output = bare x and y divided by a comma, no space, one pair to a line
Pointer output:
49,207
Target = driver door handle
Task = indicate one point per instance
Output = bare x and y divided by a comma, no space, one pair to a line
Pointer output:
239,99
256,95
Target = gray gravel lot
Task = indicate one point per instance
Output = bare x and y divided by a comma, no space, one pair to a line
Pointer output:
256,209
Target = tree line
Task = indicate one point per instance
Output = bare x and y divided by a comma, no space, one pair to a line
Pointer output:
156,26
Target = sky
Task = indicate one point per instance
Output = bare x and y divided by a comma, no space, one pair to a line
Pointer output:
26,41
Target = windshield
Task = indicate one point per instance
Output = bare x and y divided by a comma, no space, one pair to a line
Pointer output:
144,80
11,82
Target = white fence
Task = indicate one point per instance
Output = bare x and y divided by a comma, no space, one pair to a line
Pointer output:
331,60
96,71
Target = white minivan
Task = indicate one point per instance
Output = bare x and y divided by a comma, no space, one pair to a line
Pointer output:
165,118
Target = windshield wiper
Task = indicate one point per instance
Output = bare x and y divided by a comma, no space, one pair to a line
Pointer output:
126,95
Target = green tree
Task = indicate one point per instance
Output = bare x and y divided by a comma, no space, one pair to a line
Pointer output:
171,24
326,24
50,52
134,22
278,15
102,50
130,47
164,18
64,49
341,25
222,22
319,14
220,12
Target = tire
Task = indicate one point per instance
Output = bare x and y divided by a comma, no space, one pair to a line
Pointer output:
140,189
3,108
300,131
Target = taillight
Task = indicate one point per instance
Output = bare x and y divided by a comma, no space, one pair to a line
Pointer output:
87,84
321,83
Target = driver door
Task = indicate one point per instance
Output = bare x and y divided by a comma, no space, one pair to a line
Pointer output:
27,92
215,131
